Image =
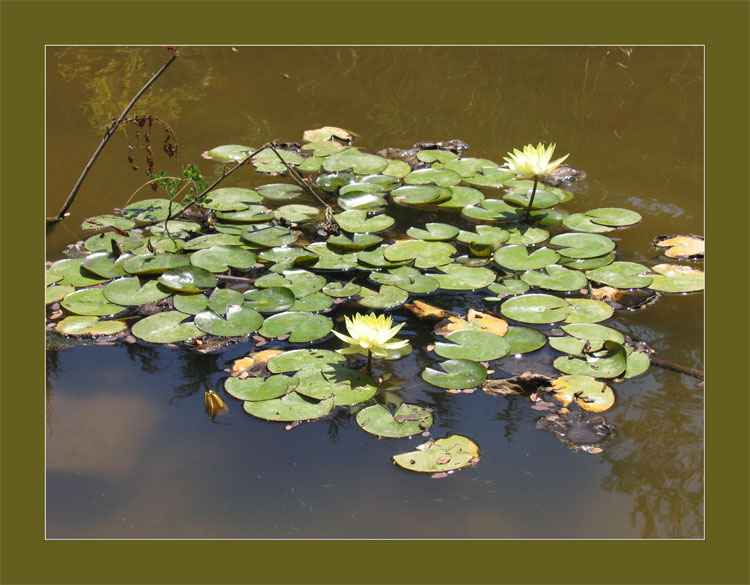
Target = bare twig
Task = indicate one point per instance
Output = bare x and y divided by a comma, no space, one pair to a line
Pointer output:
107,136
297,178
677,368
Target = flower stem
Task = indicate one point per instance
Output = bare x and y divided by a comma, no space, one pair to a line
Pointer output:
533,192
369,362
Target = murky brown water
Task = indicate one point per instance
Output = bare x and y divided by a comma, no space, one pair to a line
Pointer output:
130,453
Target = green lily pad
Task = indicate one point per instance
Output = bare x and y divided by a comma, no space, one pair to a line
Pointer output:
621,275
556,277
300,282
154,263
175,228
542,199
289,407
549,217
304,359
485,235
150,210
583,245
356,242
524,339
253,214
581,223
228,153
73,273
609,362
356,220
133,291
221,258
431,156
362,200
324,148
312,303
103,242
407,278
588,263
461,197
517,257
270,237
190,303
221,298
613,216
587,311
88,325
582,335
677,279
473,345
230,199
588,393
528,236
90,301
407,421
458,277
56,292
279,191
434,232
285,257
388,297
492,210
425,254
256,389
490,177
239,320
456,374
440,456
364,186
359,162
297,213
468,167
188,279
373,259
421,194
166,327
507,287
331,182
396,168
107,221
302,327
272,299
211,241
638,362
267,161
312,164
439,177
326,258
105,264
326,133
342,289
344,385
536,308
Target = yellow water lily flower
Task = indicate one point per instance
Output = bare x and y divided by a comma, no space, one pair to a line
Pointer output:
533,162
372,333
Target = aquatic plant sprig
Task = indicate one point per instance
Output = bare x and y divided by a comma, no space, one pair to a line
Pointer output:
371,333
532,162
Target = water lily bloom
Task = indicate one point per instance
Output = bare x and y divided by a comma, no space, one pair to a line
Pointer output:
213,402
372,333
533,162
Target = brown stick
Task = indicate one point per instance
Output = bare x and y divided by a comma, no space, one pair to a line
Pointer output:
677,368
107,136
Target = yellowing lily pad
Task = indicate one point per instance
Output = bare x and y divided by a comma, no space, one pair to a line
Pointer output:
587,392
443,455
88,325
681,246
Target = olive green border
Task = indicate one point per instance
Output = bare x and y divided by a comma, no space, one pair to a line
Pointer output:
27,26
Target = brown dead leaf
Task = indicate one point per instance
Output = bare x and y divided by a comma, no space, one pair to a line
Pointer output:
425,311
443,460
440,475
453,391
487,322
594,450
241,365
265,355
469,391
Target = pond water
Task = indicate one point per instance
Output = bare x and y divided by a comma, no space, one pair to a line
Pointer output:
130,451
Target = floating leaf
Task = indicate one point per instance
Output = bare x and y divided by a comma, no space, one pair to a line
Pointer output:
88,325
526,235
302,327
613,216
103,242
190,303
439,177
424,254
588,393
473,345
212,240
517,257
289,407
407,421
681,246
90,301
270,237
300,282
556,277
228,153
536,308
542,199
388,297
72,272
323,148
582,223
107,221
297,213
359,162
267,161
588,263
507,287
304,359
492,210
346,386
330,183
676,278
255,389
174,228
456,374
154,263
56,292
150,210
369,260
490,177
440,456
221,258
355,220
585,335
637,363
431,156
342,289
458,277
165,327
221,298
188,279
583,245
362,200
468,167
587,311
312,303
132,291
461,197
273,299
421,194
621,275
407,278
609,362
485,235
328,259
524,339
327,133
230,199
433,232
396,168
253,214
239,320
356,242
105,265
279,191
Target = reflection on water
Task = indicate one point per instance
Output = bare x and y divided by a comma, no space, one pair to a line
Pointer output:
130,451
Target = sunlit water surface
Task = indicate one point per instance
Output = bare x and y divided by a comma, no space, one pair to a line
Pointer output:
130,452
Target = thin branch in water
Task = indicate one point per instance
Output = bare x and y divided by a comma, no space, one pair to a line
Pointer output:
297,178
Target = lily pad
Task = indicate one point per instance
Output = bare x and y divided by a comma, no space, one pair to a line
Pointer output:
557,278
289,407
238,320
300,282
272,299
583,245
542,199
421,194
433,232
327,133
154,263
297,213
133,291
507,287
440,456
373,259
73,273
56,292
388,297
359,162
692,247
517,257
253,214
344,385
230,199
431,156
312,303
408,420
621,275
638,362
105,264
458,277
326,258
524,339
582,223
356,221
188,279
588,263
190,303
461,197
396,168
279,191
107,221
331,182
492,210
212,240
424,254
609,362
527,235
267,161
407,278
473,345
581,335
90,301
150,210
588,393
613,216
228,153
536,308
490,177
362,200
285,257
221,298
165,327
304,359
175,228
485,235
255,389
439,177
587,311
356,242
103,242
468,167
677,279
302,327
221,258
456,374
342,289
89,325
270,237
